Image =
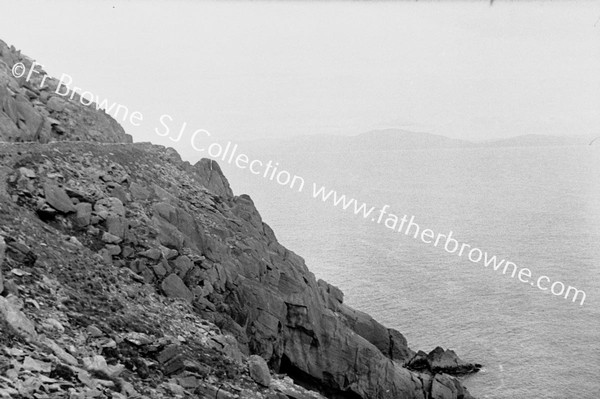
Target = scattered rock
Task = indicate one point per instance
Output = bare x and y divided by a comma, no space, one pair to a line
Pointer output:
167,354
168,235
259,371
56,104
58,199
19,272
119,192
160,270
227,345
175,389
55,324
20,252
153,253
10,287
113,250
10,311
110,205
111,238
35,365
116,225
26,172
183,264
174,287
139,192
98,363
139,339
189,382
94,331
57,350
74,241
105,256
84,214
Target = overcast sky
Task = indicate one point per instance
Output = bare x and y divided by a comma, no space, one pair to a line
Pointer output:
280,69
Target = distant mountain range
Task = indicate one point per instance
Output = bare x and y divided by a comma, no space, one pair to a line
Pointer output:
396,139
539,140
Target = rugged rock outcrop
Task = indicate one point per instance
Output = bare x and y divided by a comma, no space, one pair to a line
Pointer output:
259,371
441,361
210,175
30,111
139,242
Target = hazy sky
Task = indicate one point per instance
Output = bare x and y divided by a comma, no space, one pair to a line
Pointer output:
278,69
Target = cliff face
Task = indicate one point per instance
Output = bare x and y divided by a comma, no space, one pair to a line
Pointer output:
147,268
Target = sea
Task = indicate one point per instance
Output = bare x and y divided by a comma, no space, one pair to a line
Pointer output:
538,207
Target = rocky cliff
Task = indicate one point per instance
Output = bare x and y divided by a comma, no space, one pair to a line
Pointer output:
127,272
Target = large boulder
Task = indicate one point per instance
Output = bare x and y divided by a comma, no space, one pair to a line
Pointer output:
259,371
10,311
441,361
447,361
109,206
84,214
58,199
174,287
168,235
344,362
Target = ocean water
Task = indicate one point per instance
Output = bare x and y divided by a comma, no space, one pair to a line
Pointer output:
537,207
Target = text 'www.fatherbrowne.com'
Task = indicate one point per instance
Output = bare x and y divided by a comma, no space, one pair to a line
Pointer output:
407,225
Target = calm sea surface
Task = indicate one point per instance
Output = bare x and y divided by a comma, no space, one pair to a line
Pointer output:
537,207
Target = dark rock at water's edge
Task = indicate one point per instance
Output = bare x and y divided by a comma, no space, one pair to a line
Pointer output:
441,361
129,271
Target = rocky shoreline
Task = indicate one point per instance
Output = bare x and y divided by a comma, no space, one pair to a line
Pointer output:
127,272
